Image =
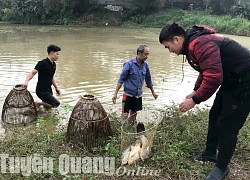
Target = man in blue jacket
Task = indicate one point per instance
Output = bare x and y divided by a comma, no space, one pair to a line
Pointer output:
133,74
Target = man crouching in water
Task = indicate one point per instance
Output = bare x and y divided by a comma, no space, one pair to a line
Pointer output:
46,69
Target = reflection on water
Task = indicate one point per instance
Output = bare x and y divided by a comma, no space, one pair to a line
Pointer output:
91,61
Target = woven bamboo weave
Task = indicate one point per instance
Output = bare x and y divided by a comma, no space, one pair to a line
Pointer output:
89,124
19,107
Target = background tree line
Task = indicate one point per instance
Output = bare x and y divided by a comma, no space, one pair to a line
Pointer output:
65,11
43,11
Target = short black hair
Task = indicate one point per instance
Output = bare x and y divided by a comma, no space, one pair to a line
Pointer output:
141,48
53,48
170,30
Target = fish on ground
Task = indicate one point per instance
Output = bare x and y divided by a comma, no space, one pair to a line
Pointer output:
139,150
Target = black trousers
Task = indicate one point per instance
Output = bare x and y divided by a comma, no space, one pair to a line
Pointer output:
48,97
227,116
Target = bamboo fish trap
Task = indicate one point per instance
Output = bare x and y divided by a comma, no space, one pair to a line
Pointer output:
89,124
19,107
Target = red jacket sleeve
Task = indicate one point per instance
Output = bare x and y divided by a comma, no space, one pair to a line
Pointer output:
209,58
198,82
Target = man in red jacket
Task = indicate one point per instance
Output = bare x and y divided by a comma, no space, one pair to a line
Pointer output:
222,64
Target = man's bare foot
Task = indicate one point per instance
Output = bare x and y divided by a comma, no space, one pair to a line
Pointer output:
47,108
38,105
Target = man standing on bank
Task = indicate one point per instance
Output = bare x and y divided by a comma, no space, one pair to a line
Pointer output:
133,74
222,63
46,69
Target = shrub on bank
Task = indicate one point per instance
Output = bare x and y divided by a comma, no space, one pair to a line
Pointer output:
222,24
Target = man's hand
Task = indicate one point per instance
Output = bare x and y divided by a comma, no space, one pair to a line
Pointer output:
114,98
155,95
187,105
25,85
58,91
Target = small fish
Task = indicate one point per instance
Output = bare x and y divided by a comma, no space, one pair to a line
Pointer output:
135,149
138,150
144,151
134,154
125,155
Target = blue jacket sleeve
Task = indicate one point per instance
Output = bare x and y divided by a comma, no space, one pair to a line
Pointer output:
124,73
148,78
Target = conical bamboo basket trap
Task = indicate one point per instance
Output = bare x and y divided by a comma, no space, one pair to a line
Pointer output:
89,124
19,107
149,118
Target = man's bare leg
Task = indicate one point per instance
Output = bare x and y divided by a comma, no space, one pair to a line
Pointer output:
124,116
132,117
46,105
38,104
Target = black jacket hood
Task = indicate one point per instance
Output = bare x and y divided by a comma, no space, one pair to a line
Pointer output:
194,32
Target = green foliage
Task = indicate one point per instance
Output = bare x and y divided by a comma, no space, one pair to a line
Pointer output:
222,24
76,11
7,14
68,107
137,19
112,148
146,6
132,16
160,19
44,12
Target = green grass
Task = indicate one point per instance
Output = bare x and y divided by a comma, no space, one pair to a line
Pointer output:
178,138
222,24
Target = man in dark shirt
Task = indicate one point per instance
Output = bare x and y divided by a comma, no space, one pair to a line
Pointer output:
46,69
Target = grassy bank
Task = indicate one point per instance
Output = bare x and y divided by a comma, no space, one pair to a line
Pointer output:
222,24
178,138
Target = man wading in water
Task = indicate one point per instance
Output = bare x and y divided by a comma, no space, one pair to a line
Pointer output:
46,69
133,74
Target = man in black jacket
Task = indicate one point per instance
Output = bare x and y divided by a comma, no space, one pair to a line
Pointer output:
222,64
